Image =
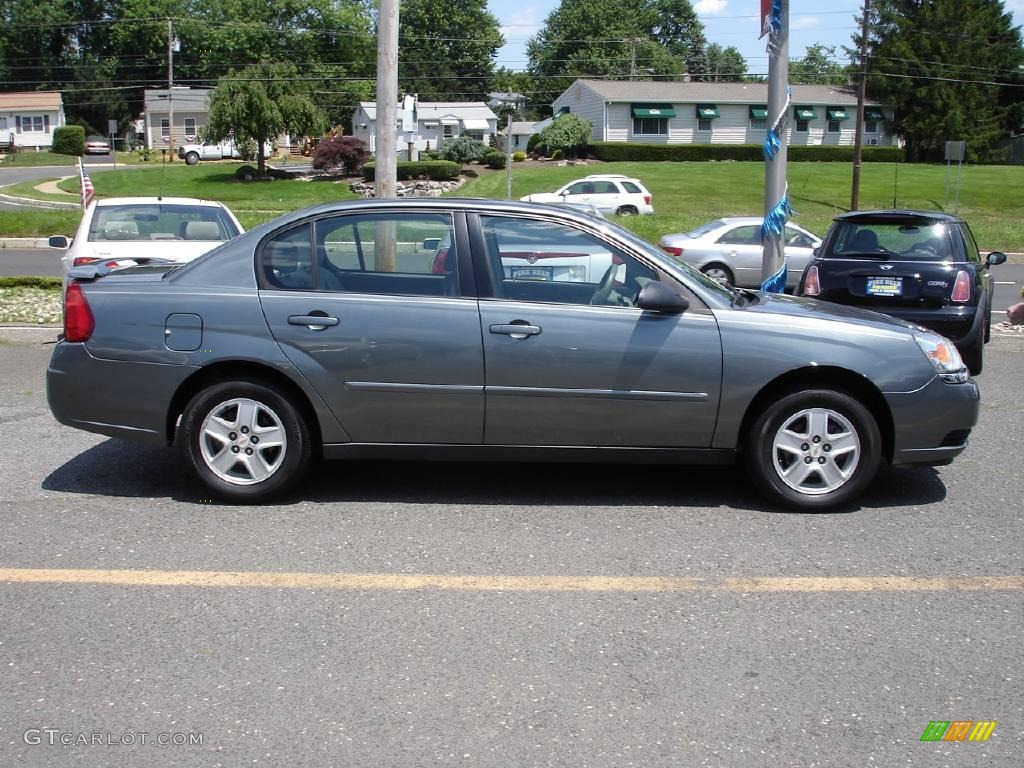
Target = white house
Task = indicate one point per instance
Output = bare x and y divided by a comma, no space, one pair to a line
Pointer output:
521,133
435,122
651,112
190,107
28,118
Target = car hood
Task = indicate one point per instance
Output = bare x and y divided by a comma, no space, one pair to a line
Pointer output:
802,307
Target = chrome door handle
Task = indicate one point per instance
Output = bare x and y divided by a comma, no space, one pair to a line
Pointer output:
313,322
517,330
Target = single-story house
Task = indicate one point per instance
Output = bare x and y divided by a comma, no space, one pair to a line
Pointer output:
506,99
29,118
521,133
435,122
653,112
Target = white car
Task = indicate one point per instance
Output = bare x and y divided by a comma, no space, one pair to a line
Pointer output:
124,231
730,251
608,192
97,145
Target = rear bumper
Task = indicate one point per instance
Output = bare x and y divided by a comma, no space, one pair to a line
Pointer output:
81,394
932,424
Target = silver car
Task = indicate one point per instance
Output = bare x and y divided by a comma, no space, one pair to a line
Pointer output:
729,250
397,329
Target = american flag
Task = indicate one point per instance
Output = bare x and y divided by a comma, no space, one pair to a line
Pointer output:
88,191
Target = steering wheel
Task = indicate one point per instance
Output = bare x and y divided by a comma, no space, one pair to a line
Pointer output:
604,288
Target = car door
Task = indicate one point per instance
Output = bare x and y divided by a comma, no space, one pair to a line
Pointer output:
607,197
740,249
571,364
579,192
799,250
362,307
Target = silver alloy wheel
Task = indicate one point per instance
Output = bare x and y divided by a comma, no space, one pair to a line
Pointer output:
243,442
718,273
816,451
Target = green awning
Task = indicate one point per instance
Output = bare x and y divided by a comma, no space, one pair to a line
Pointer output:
838,114
653,110
804,113
707,111
873,113
759,113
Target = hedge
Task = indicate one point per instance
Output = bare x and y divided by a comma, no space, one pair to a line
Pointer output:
610,151
494,160
435,170
31,281
69,140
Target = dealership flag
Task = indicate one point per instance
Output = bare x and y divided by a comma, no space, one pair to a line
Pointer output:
88,191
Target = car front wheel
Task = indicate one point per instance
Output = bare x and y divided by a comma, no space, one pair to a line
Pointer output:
813,451
718,272
191,158
246,440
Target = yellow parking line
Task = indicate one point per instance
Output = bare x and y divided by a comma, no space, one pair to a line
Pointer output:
408,582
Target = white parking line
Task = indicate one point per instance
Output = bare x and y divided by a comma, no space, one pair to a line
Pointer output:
1005,282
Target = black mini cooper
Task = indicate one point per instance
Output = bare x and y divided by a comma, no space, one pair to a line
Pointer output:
920,266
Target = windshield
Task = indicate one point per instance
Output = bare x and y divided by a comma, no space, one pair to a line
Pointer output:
906,240
161,221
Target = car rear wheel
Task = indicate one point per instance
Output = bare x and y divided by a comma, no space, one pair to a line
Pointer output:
718,272
246,440
627,210
191,158
813,451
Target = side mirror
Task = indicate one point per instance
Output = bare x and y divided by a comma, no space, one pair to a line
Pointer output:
658,297
816,250
60,241
431,243
996,257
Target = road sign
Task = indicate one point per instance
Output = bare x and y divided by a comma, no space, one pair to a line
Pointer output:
111,127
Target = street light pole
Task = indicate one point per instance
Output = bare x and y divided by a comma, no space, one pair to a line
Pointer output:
385,156
170,91
858,135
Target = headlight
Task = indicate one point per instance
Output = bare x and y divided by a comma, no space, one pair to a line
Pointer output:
944,356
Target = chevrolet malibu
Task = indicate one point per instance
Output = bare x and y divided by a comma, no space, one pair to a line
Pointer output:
341,331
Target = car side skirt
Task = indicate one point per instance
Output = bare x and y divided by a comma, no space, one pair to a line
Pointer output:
528,453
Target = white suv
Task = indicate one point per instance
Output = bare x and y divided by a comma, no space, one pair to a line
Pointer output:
608,192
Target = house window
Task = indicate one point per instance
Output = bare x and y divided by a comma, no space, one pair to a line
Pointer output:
448,131
190,128
35,124
704,123
759,124
801,126
650,126
870,126
478,135
3,123
835,126
515,141
165,128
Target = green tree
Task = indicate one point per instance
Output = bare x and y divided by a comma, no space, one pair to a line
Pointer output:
948,67
259,103
446,51
680,32
725,65
568,133
818,66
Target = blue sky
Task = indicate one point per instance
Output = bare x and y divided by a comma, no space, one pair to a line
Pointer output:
726,22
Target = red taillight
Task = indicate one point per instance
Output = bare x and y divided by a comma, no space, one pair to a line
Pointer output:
674,250
961,288
78,320
812,283
647,199
80,260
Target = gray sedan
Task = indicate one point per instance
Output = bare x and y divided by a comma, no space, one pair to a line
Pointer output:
729,250
399,329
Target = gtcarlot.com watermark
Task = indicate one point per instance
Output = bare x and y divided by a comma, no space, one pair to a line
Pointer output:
55,737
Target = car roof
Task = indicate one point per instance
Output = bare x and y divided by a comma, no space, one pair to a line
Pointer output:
895,215
103,202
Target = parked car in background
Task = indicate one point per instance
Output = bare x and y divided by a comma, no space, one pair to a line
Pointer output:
331,331
97,145
608,192
124,231
729,250
222,150
920,266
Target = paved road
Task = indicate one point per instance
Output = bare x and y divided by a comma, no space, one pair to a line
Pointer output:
12,174
30,261
311,645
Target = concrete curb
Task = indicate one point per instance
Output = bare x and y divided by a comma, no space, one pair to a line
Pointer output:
24,242
28,202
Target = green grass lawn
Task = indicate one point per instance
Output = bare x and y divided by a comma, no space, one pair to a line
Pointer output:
685,194
31,159
39,223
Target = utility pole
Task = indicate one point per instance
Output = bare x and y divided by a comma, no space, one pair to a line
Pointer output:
858,135
170,91
508,158
776,200
385,157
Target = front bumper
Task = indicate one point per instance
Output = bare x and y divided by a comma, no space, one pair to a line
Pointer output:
931,425
955,323
112,397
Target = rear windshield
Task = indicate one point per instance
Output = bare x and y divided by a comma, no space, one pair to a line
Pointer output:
154,221
903,240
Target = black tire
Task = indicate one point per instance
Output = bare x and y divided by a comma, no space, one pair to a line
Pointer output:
290,462
765,466
973,354
726,273
191,158
627,210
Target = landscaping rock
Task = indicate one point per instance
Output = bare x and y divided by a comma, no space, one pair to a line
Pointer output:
418,188
1015,314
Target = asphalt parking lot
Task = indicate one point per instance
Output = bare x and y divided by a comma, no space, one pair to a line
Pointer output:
502,615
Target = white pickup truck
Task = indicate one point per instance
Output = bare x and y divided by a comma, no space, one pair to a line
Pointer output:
193,153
